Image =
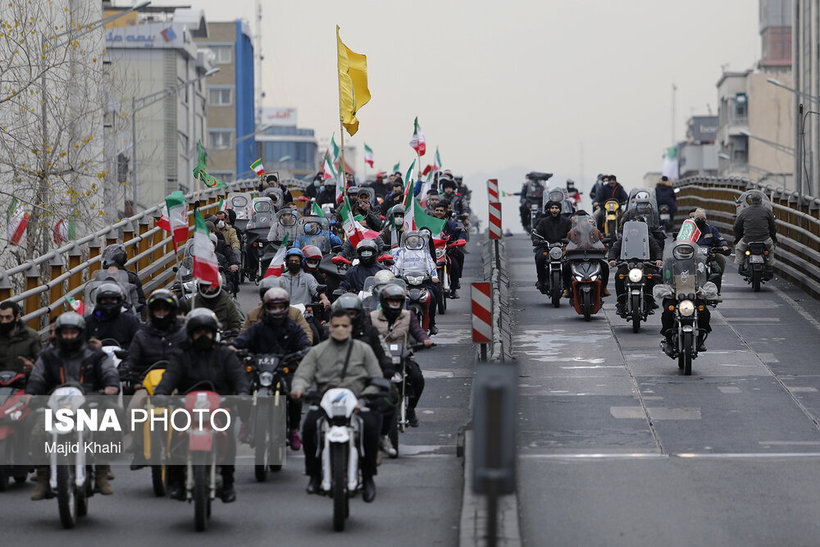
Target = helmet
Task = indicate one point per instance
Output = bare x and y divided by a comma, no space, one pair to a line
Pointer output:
74,320
202,285
384,276
114,255
275,305
352,304
268,283
366,251
199,318
550,203
313,256
683,252
295,251
312,228
755,198
413,240
158,298
287,217
109,291
394,293
641,196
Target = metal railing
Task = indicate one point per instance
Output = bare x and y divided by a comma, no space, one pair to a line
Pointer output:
50,279
797,219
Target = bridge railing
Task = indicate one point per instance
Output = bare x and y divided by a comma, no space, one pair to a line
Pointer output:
797,219
44,283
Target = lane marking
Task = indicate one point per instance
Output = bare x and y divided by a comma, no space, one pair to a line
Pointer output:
682,455
796,307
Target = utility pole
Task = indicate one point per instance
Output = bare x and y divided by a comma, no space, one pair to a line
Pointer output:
674,93
798,107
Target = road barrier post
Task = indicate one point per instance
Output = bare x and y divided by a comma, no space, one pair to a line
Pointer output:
482,307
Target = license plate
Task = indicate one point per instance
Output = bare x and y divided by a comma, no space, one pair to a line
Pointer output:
665,216
756,259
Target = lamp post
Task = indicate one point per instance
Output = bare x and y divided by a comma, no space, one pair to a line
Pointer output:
781,147
145,102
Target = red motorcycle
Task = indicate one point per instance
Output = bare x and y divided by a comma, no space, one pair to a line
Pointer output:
13,412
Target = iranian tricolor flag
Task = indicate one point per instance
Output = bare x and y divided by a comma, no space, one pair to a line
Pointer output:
397,167
329,172
409,174
688,231
334,150
258,168
355,232
277,263
174,217
418,143
423,220
409,210
206,267
64,231
368,155
437,161
76,305
17,217
316,209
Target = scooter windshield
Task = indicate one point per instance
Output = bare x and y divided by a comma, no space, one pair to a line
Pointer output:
684,267
584,236
635,242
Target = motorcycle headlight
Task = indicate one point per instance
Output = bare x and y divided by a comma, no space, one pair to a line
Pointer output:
440,253
686,308
635,275
555,253
593,277
266,379
415,279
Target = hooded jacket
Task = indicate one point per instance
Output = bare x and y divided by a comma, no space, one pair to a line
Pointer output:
21,341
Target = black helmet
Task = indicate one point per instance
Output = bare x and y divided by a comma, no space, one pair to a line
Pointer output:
201,317
393,292
397,210
109,291
73,320
159,298
114,255
275,297
267,283
367,250
550,203
352,304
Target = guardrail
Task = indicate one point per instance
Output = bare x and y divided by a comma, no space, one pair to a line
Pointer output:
797,219
61,273
494,257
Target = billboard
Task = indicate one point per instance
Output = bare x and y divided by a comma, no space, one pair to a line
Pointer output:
278,115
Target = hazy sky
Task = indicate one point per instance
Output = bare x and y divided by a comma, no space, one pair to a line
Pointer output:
507,87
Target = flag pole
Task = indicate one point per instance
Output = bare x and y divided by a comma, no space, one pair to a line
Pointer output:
341,125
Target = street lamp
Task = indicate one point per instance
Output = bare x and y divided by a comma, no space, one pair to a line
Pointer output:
782,147
147,101
778,83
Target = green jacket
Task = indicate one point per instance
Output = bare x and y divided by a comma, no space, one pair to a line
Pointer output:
324,362
224,306
21,341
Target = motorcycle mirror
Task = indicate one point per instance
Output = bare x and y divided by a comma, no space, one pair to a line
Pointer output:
460,243
175,269
340,260
384,258
321,289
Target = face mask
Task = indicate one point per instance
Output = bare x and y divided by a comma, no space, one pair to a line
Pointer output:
701,224
317,183
322,188
70,346
162,323
203,344
6,327
399,221
340,333
220,224
294,267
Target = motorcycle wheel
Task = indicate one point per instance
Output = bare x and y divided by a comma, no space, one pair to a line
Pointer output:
442,303
586,305
338,469
82,494
555,289
756,280
158,480
65,496
5,470
201,497
636,313
685,357
260,438
393,434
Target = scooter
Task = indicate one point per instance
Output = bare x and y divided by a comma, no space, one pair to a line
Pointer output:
586,282
13,413
612,210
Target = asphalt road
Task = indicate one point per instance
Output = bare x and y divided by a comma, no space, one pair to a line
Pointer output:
418,498
617,448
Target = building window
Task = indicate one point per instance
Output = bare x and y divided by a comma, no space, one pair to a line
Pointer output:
220,97
223,54
220,139
741,106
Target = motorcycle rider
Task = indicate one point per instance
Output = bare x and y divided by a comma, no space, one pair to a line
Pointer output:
211,296
72,359
300,285
327,193
655,255
114,256
394,226
341,362
414,255
364,207
395,197
531,191
19,344
367,251
452,229
109,320
457,204
395,324
553,228
665,195
202,359
272,181
612,190
255,315
227,231
573,192
755,223
600,180
277,333
380,186
313,234
284,222
710,237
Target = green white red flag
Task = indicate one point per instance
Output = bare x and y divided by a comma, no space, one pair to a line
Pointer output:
206,266
17,217
368,156
316,209
174,217
258,168
688,231
329,171
277,263
76,305
355,231
65,231
417,142
437,161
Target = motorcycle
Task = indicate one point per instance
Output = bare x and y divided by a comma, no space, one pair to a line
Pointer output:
584,253
755,267
665,216
713,271
419,297
340,438
13,412
555,255
400,355
612,210
268,420
444,263
636,307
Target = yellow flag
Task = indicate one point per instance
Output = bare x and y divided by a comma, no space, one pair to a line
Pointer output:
353,92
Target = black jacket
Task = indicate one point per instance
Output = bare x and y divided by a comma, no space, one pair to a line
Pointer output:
355,276
755,223
655,252
91,367
151,344
220,366
552,229
390,200
122,328
260,338
369,334
608,192
665,195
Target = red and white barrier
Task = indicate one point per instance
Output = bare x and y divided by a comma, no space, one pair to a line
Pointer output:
495,208
481,295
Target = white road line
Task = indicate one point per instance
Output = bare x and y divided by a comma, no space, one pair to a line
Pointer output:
682,455
797,307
